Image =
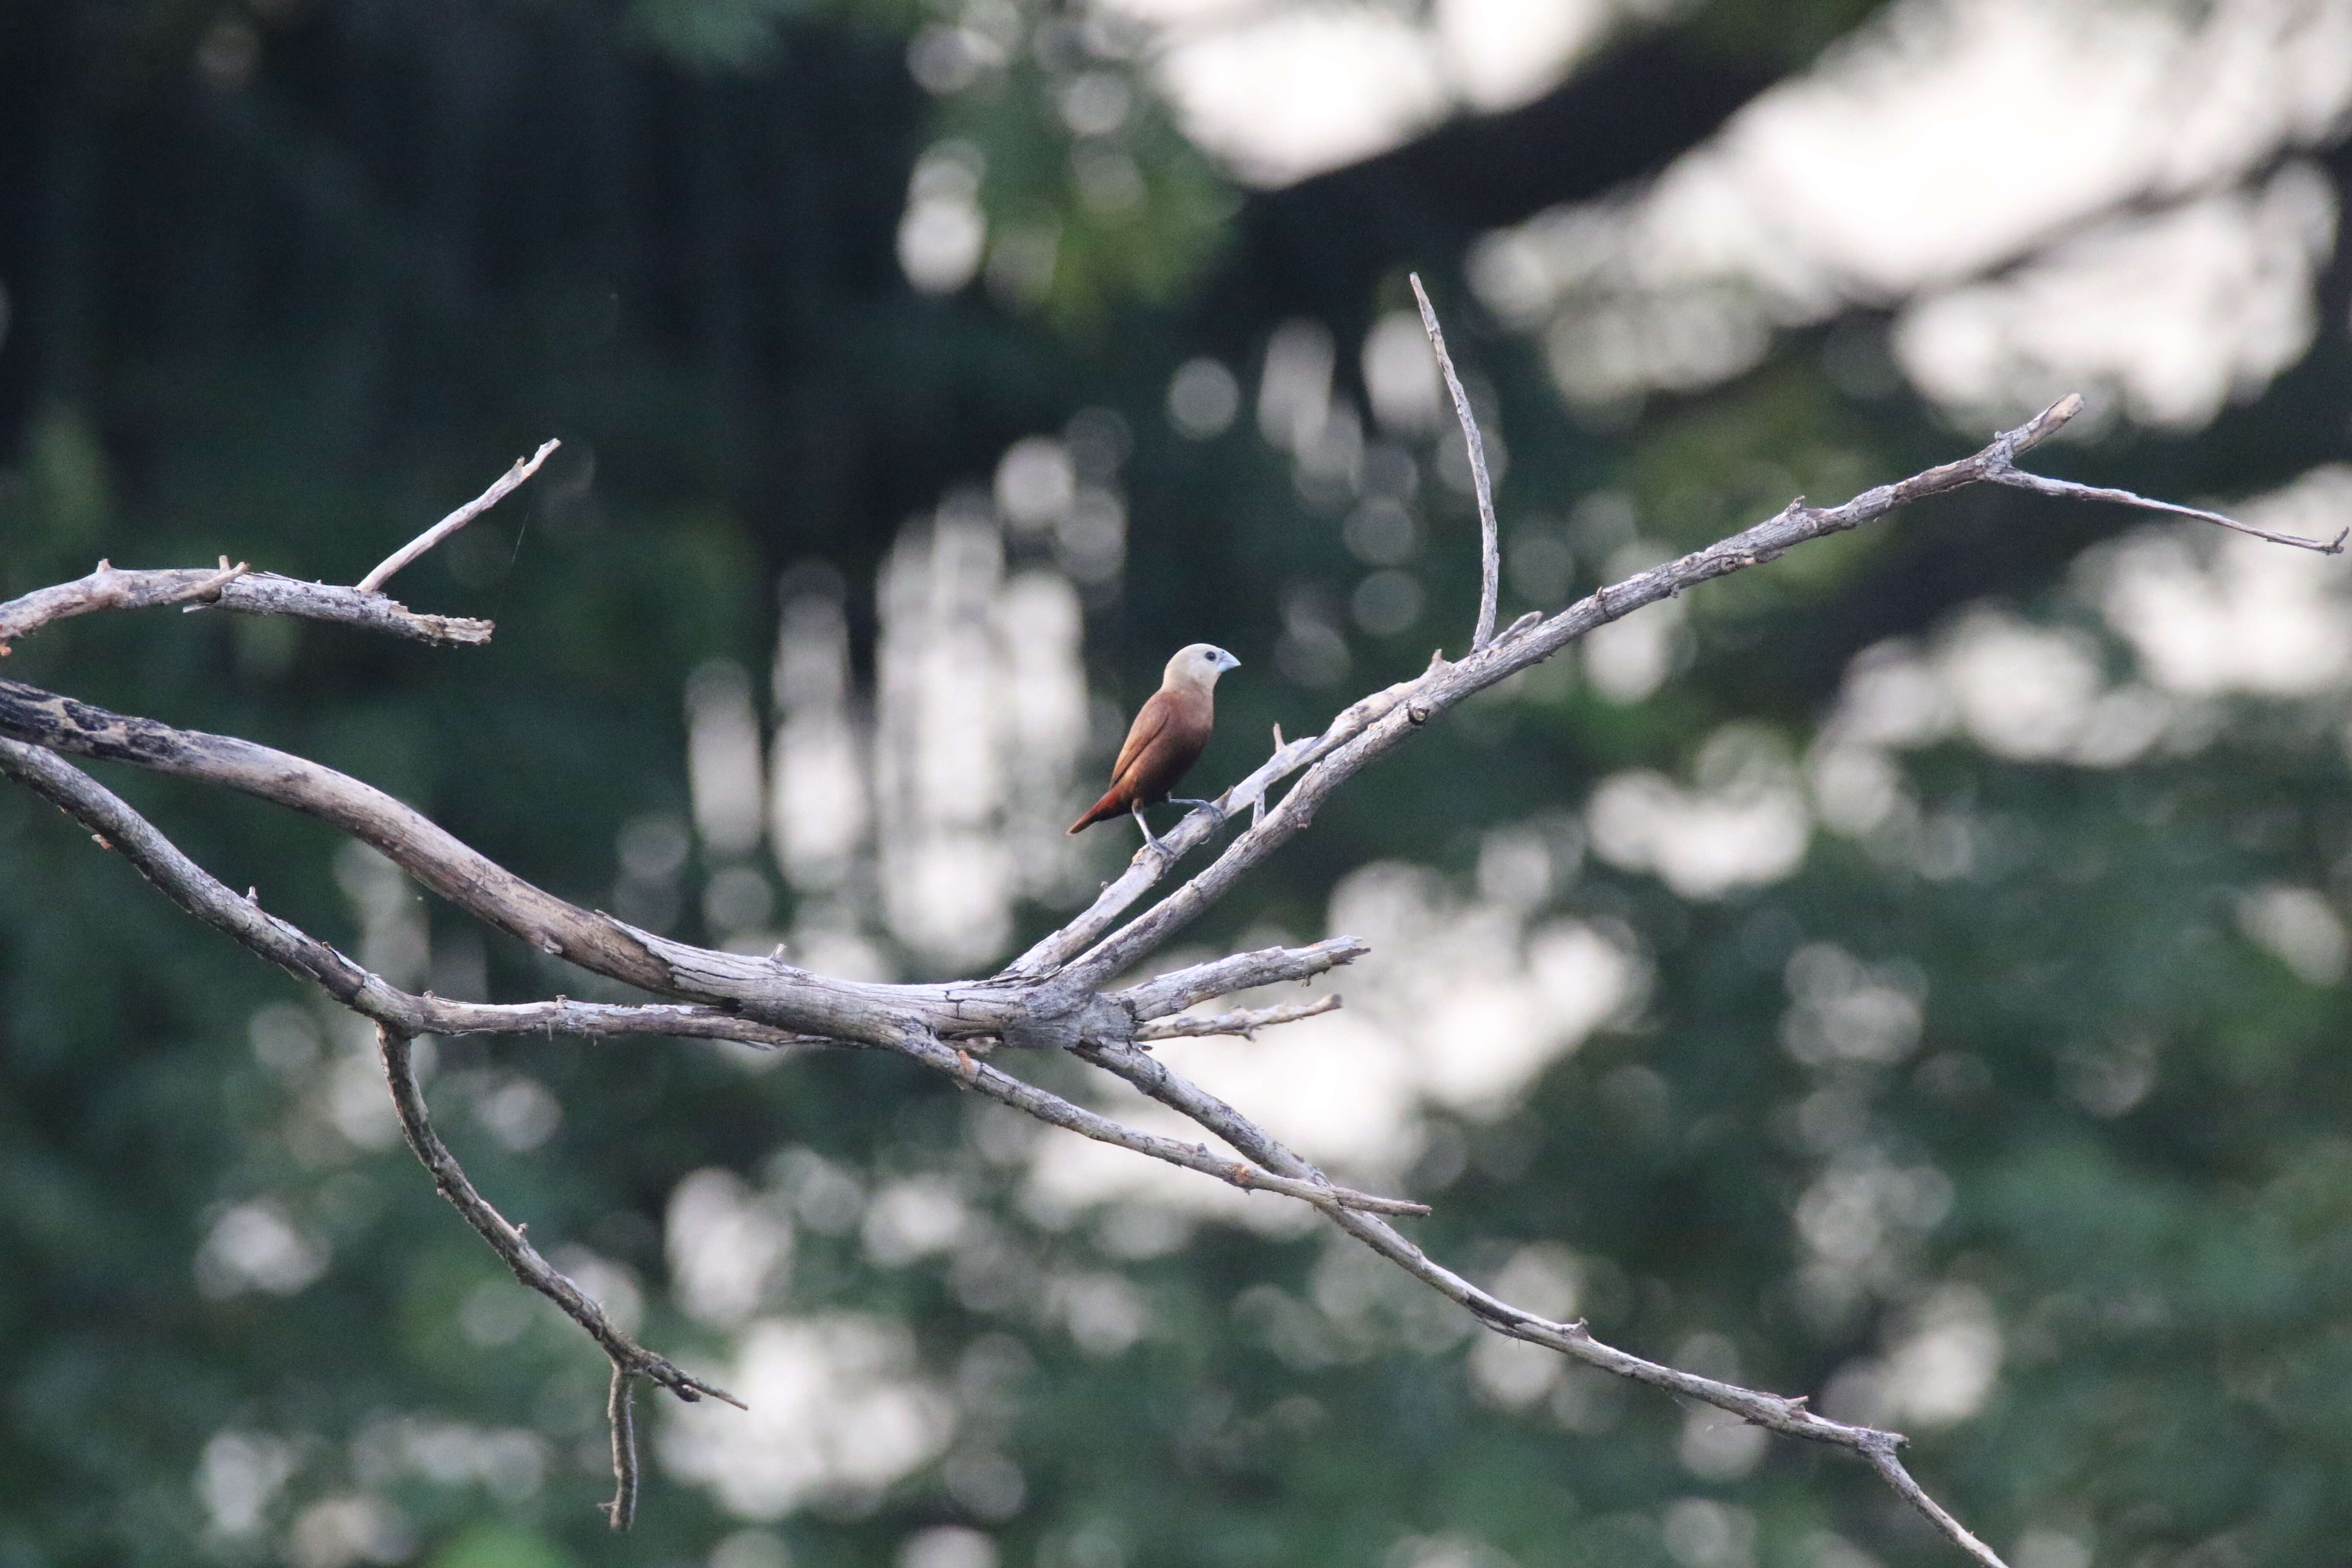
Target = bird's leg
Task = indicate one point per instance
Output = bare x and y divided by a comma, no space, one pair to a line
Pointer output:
1149,836
1202,805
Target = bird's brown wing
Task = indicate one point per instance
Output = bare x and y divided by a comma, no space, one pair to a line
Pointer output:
1167,738
1151,721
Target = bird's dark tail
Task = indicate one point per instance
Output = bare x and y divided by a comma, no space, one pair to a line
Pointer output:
1109,806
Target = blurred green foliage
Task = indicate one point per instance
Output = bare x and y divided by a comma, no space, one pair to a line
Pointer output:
286,280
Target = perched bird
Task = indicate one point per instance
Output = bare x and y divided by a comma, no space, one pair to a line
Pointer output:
1166,739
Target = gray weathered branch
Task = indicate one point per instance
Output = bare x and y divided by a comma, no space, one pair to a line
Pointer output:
232,588
620,1415
118,828
1370,728
629,1358
399,1015
777,994
434,856
1790,1417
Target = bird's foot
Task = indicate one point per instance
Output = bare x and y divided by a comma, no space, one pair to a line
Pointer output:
1209,806
1153,838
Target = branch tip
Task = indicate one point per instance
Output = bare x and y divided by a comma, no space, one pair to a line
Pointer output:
2048,423
524,468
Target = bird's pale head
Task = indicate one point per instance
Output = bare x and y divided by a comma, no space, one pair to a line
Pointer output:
1200,664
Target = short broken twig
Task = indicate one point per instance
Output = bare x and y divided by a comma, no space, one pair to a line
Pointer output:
208,592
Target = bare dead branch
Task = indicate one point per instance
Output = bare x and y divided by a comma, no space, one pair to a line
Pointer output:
105,589
248,593
1043,1015
524,468
1049,997
1180,988
1792,1417
1370,727
1243,1021
205,896
1046,998
238,588
201,894
211,901
1490,549
267,593
628,1357
1385,718
465,876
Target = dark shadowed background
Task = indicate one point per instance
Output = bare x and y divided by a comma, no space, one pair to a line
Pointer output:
1909,973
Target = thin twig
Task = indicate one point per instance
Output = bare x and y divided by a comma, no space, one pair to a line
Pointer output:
1180,988
2002,471
508,1240
1243,1021
621,1412
1792,1417
1490,549
1056,1111
1881,1454
524,468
